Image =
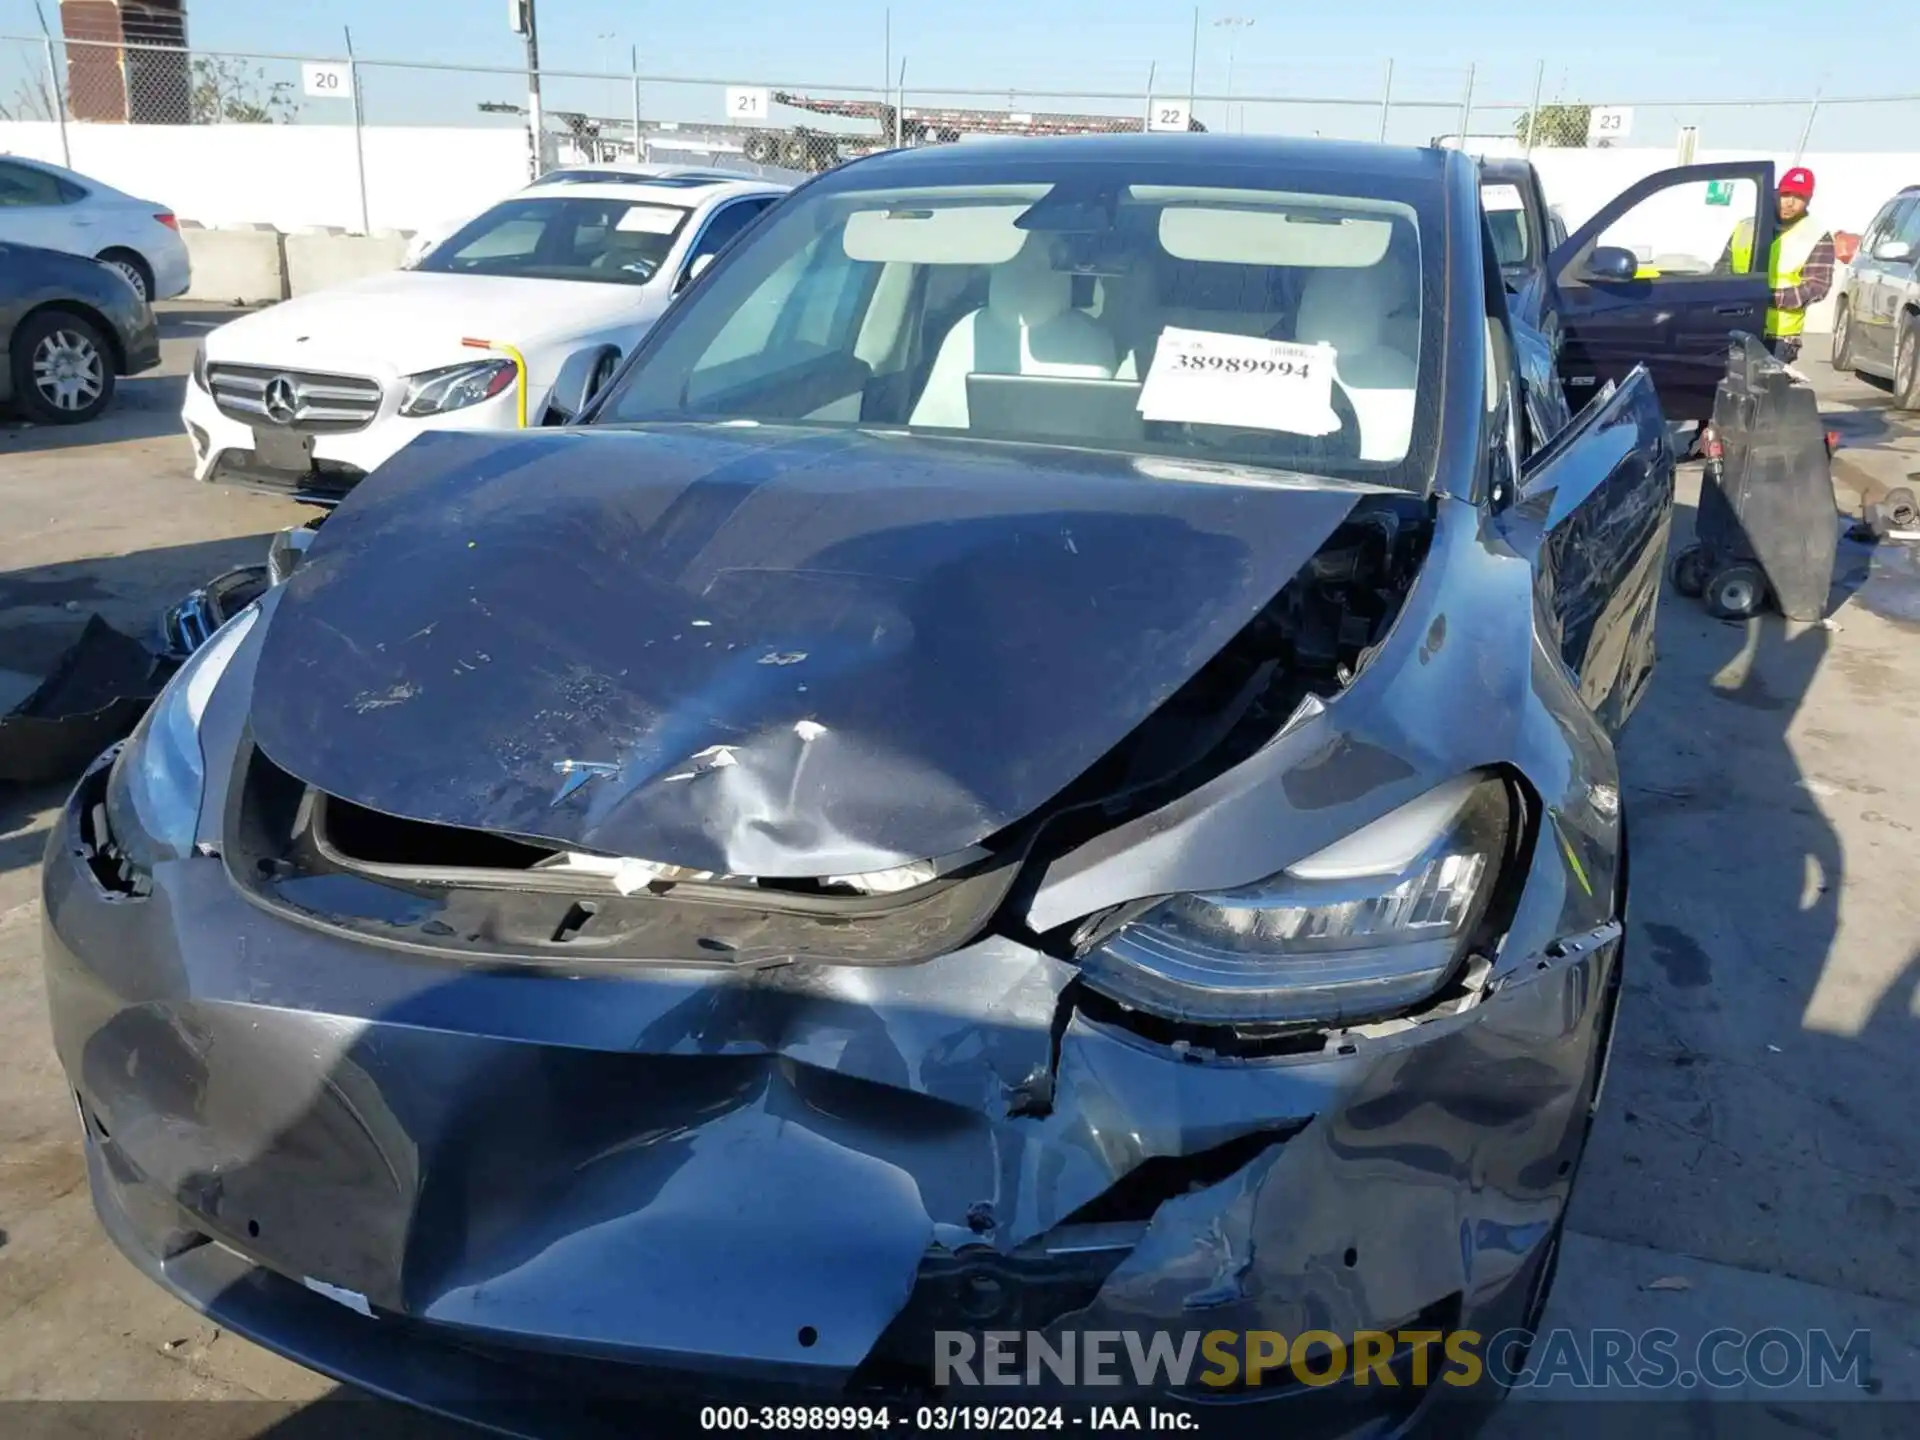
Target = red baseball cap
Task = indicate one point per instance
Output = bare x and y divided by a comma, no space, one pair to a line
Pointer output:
1797,181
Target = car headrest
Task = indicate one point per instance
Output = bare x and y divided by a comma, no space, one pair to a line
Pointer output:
1348,308
1027,290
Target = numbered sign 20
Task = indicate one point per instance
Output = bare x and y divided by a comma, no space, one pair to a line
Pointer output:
746,104
1168,115
327,81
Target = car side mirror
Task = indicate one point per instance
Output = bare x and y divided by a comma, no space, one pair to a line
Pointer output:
694,271
1611,262
1893,250
580,379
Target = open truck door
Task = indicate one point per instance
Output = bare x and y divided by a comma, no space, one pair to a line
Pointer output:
1650,280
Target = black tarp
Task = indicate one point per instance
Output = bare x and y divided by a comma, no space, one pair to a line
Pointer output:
96,693
1771,498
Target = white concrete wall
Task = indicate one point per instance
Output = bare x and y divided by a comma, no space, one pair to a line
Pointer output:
295,176
291,176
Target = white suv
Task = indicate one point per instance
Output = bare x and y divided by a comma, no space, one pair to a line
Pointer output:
306,397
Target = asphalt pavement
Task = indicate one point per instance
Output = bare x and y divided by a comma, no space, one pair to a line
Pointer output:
1755,1163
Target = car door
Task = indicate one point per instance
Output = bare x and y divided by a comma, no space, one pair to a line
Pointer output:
1869,340
1593,512
720,231
1900,279
1676,311
1891,271
38,208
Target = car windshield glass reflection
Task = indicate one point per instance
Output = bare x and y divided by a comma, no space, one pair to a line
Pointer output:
613,241
1212,321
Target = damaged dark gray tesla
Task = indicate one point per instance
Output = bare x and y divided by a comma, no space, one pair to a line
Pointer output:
1041,761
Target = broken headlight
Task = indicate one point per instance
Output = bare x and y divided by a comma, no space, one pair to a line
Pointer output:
454,387
1372,924
153,794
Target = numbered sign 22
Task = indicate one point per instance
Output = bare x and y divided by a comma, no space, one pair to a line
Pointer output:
746,104
326,81
1168,115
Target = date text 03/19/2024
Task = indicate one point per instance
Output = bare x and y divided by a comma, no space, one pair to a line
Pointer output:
942,1419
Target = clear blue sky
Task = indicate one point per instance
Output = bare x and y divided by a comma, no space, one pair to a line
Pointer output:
1616,50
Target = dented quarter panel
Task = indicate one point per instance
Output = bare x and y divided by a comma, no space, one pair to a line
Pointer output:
1464,680
961,628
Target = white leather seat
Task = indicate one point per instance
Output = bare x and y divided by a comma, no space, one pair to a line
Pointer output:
1361,313
1027,327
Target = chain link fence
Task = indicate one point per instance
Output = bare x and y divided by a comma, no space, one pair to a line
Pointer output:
364,124
617,114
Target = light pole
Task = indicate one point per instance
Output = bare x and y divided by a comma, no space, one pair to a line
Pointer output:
609,149
1233,25
521,14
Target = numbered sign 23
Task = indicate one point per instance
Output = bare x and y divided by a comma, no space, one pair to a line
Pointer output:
1609,123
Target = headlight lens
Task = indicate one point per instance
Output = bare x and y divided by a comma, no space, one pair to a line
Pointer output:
454,387
1370,925
153,794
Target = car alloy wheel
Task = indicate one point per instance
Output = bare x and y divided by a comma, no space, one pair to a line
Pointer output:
1906,367
134,278
69,371
1843,338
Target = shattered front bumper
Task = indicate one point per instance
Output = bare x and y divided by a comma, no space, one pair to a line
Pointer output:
467,1186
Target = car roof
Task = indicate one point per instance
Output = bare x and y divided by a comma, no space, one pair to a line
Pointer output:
1419,164
1505,170
651,194
668,184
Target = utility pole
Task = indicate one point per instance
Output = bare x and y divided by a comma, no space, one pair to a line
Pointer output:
1233,25
521,13
1193,63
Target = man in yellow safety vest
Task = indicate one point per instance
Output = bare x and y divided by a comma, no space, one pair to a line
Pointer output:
1800,267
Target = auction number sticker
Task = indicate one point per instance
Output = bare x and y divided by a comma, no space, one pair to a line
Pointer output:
1202,377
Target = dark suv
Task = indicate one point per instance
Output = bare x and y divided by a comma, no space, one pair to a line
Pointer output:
1646,279
1876,318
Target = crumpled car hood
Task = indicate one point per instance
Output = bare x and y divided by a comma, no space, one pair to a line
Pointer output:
758,650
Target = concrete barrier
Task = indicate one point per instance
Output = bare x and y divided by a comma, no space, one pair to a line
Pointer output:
243,265
317,259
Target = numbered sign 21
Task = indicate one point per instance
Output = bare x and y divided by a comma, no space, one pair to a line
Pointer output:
326,81
746,104
1168,115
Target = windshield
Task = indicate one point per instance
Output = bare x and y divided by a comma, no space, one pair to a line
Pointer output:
1261,318
613,241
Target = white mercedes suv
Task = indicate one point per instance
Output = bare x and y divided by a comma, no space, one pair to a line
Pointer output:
306,397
